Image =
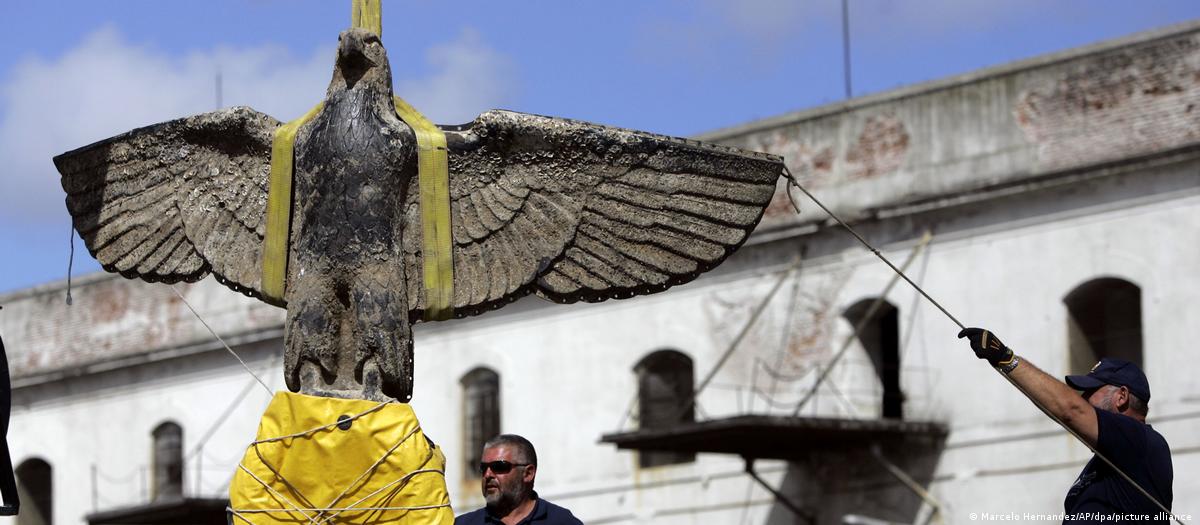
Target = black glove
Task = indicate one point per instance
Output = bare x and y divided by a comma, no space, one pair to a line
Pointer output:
987,346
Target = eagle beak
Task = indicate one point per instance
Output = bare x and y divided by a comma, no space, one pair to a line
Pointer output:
353,61
354,65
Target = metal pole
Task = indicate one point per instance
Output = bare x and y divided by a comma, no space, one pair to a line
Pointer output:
846,46
758,310
95,493
199,471
907,481
862,323
779,496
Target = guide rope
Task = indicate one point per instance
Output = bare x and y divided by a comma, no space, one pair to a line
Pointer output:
222,341
791,269
70,263
862,324
792,182
787,173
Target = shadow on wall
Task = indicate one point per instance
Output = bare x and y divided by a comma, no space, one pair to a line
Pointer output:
829,485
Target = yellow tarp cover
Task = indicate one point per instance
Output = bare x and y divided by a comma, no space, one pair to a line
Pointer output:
304,468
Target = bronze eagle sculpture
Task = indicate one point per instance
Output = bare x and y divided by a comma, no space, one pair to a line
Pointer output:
560,208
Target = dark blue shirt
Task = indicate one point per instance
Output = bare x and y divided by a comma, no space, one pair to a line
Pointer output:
543,512
1139,451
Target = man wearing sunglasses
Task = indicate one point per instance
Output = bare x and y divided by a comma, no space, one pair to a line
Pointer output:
1111,417
507,469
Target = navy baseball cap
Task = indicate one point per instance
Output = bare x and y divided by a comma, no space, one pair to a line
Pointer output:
1116,372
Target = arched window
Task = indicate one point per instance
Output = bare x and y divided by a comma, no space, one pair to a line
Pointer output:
481,415
168,461
35,487
1104,320
880,338
665,386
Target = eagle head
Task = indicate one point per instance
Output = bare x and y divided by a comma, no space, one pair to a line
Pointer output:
361,59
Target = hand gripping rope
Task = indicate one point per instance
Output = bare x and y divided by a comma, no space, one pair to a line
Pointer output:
787,173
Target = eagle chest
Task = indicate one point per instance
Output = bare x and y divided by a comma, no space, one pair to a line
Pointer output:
353,169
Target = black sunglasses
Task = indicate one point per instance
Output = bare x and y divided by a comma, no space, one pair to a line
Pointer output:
499,467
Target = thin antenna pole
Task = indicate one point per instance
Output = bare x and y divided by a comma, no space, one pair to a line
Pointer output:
846,46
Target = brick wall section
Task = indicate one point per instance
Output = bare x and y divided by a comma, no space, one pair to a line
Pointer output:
1103,103
1122,104
112,317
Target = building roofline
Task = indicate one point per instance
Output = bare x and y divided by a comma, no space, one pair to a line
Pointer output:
950,82
56,286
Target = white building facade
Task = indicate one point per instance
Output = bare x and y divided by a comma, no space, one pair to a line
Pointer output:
1062,195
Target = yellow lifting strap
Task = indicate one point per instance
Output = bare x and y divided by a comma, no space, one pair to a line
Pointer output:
432,174
367,14
279,208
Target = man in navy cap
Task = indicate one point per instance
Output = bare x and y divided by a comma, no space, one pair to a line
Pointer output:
1111,417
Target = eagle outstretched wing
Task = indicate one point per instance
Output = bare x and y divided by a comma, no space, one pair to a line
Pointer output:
174,201
576,211
565,209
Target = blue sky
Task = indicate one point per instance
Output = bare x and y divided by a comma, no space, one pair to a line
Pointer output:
75,72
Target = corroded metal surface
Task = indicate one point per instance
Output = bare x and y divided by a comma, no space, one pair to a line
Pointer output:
563,209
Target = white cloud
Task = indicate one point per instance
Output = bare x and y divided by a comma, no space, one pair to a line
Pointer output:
773,32
767,22
709,35
468,78
927,19
107,85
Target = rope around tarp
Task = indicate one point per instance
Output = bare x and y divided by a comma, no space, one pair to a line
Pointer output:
787,173
318,515
438,280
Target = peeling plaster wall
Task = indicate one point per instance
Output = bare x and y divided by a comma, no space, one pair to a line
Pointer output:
1109,102
113,319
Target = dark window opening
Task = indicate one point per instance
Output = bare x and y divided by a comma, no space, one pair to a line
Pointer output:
665,387
168,462
1104,320
481,415
880,337
35,487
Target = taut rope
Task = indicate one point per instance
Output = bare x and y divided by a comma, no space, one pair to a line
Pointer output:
787,173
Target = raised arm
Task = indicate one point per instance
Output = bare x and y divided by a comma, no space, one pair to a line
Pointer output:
1055,396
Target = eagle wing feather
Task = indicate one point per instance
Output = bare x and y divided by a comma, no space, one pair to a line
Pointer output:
176,200
575,211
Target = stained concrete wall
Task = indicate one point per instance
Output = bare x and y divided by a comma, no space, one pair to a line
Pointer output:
1034,178
1110,102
